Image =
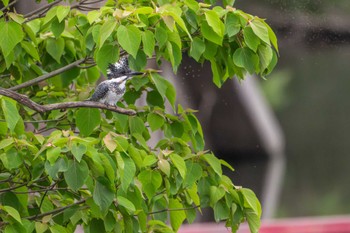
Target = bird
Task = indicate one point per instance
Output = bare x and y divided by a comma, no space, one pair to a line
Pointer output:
110,91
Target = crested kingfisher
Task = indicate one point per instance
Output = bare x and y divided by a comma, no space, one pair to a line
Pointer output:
111,90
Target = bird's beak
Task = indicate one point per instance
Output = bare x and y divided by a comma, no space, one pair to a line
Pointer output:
136,73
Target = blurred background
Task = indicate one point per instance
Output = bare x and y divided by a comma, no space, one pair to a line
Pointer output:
309,94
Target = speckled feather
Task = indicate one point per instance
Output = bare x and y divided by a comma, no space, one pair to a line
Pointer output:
110,91
119,68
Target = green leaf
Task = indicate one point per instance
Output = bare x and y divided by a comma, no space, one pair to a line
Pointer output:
194,173
30,49
106,30
78,150
197,48
59,166
253,220
175,12
76,174
265,56
226,164
129,37
164,87
62,12
177,129
93,15
161,36
5,2
103,195
127,170
52,154
210,34
108,54
6,142
179,163
272,36
232,24
251,201
126,204
40,227
148,43
138,63
55,48
136,125
164,166
149,160
177,215
13,213
109,222
58,229
138,83
221,211
57,27
216,74
251,39
155,121
192,4
216,193
151,181
215,22
246,58
11,34
87,119
10,112
214,163
174,54
260,30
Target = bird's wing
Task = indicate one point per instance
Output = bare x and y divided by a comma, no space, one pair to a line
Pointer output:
100,91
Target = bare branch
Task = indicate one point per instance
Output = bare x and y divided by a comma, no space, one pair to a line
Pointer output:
175,209
48,75
9,5
54,211
24,100
37,13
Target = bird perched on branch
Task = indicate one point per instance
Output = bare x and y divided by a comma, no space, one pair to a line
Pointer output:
111,90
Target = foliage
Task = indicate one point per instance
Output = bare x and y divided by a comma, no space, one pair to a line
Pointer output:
96,167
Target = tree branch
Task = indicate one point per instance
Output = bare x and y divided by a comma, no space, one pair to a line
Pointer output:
37,12
9,5
176,209
55,211
48,75
24,100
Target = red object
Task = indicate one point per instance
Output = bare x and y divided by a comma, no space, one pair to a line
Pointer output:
336,224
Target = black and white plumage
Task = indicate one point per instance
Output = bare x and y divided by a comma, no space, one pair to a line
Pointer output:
111,90
119,68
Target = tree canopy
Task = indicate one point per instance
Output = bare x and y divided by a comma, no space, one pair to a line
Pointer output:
68,162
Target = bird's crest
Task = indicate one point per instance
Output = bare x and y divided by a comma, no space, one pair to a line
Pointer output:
118,69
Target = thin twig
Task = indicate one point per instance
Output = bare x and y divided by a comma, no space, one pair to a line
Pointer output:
24,100
43,197
9,5
175,209
37,13
55,211
12,188
48,75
